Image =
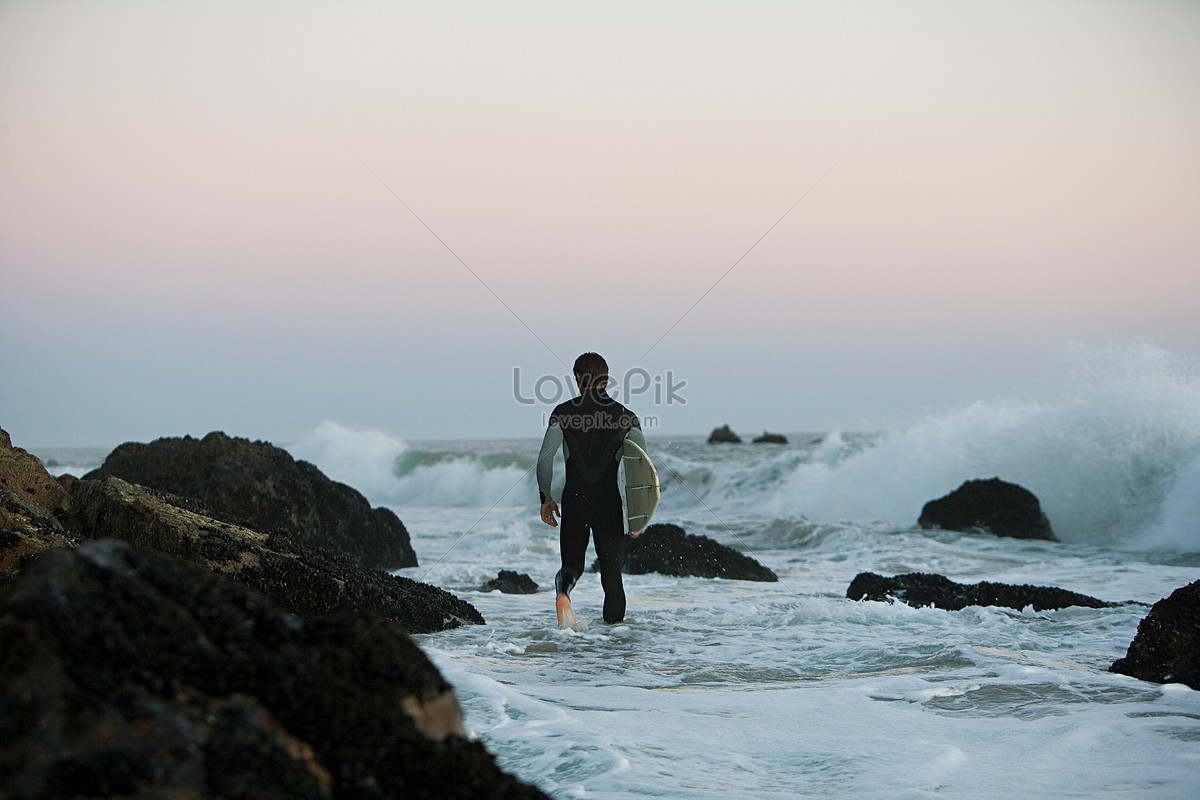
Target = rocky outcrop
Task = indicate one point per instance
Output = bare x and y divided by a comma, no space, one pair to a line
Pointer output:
989,506
668,550
923,589
265,488
307,581
510,582
23,474
125,674
36,513
770,438
724,434
1167,646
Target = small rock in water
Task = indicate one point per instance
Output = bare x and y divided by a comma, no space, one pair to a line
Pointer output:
510,582
724,434
668,550
923,589
1167,646
990,506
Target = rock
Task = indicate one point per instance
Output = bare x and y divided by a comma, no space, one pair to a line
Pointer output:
308,581
36,512
770,438
989,506
125,674
266,488
510,582
668,550
923,589
1167,646
723,434
24,474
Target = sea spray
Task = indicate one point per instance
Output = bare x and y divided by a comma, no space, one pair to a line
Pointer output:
1177,526
1103,457
364,459
441,478
390,471
1108,453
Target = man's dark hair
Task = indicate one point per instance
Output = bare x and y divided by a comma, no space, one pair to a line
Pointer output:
592,370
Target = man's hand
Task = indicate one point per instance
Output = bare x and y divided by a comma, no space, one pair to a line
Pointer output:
549,512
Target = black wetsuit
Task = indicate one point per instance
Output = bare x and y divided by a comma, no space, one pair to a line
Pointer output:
592,427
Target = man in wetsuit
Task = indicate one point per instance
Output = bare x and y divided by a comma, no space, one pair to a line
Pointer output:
590,429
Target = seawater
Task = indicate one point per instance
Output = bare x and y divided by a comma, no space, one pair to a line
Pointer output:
730,689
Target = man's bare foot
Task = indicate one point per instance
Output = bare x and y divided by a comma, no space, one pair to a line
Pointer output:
566,617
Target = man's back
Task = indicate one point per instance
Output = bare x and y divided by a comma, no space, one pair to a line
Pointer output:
593,426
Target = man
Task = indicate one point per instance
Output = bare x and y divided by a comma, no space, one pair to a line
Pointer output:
590,429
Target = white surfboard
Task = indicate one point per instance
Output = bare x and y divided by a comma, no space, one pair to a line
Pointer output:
638,481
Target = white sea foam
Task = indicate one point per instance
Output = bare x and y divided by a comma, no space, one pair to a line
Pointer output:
730,689
364,459
390,471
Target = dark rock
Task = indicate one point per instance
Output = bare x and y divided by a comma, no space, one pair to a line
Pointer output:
125,674
923,589
668,550
36,513
23,473
1167,646
723,434
305,580
770,438
510,582
989,506
266,488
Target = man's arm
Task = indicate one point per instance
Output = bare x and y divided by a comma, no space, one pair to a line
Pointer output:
545,471
545,465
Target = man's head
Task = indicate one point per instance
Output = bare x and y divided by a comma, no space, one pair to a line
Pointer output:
591,371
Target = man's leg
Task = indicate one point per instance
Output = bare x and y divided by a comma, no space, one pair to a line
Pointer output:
572,545
608,532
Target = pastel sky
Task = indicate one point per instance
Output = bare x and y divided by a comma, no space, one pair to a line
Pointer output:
257,216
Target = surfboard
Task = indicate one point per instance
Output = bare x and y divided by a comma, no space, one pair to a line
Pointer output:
637,480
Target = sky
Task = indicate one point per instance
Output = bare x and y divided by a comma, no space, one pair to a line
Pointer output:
411,217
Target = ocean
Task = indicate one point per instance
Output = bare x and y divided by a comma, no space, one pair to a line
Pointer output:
728,689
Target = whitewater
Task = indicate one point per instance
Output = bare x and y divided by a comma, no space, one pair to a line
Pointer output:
728,689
